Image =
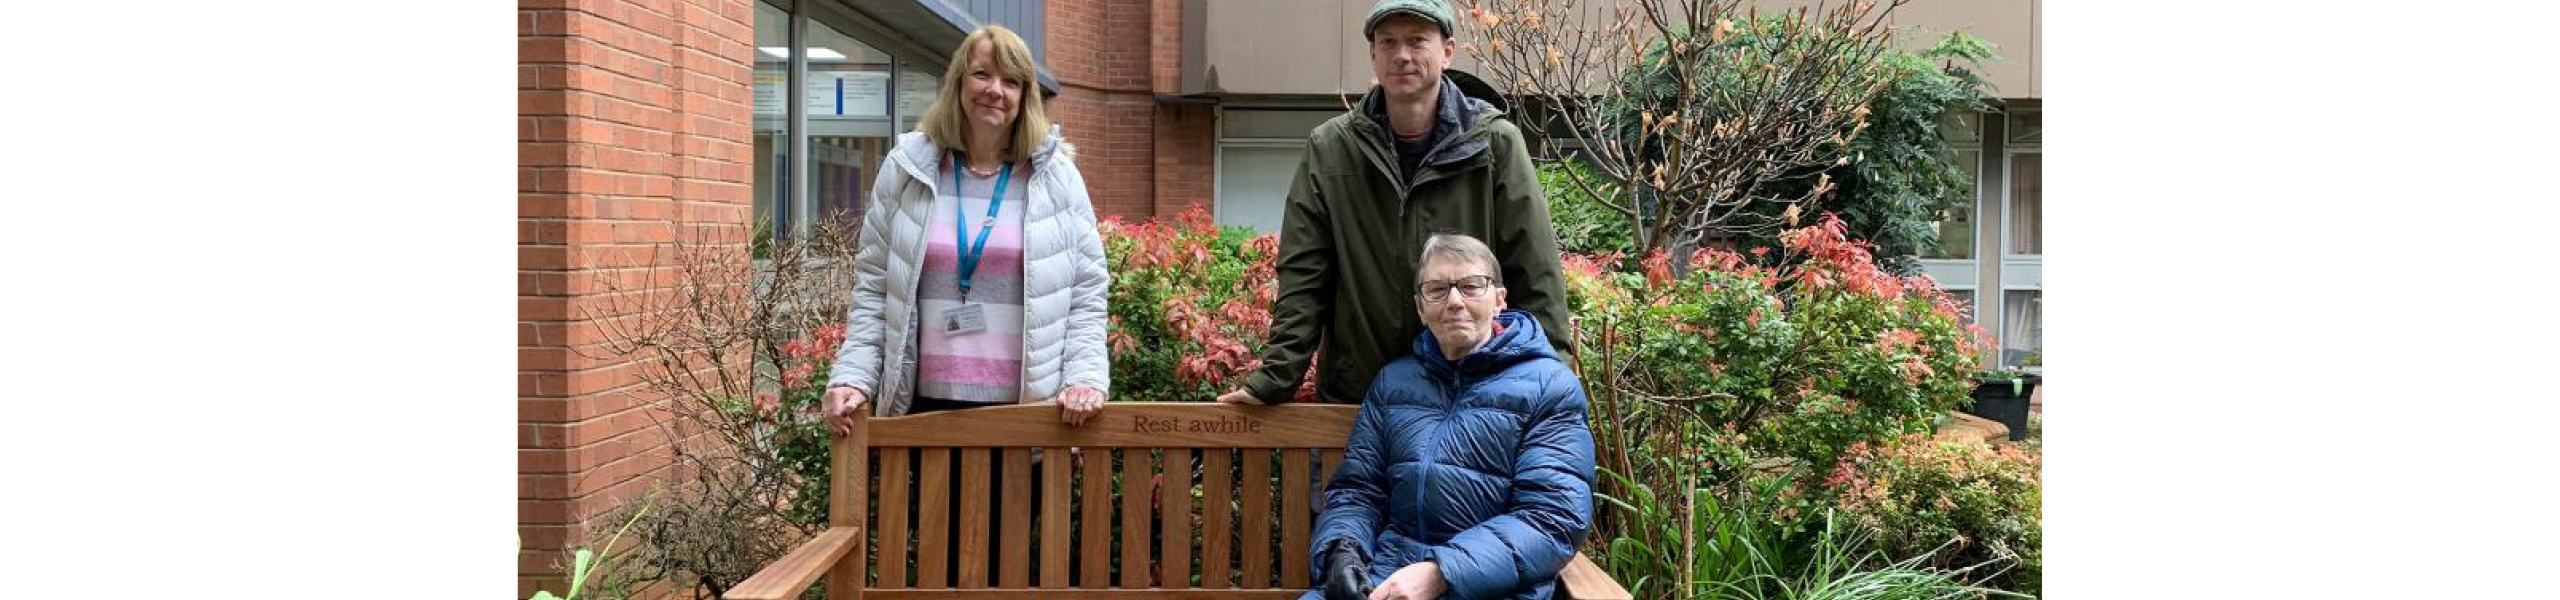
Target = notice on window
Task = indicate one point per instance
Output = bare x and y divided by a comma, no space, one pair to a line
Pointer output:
915,93
828,93
849,93
769,94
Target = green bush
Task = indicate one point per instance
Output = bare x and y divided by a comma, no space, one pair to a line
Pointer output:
1190,306
1723,393
1740,363
1902,173
1731,552
1960,502
1583,224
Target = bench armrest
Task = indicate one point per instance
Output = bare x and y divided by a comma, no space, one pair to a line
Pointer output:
1584,581
789,575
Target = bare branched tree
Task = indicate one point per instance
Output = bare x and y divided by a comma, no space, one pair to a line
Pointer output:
1683,121
704,325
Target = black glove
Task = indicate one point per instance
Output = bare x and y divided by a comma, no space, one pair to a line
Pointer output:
1346,574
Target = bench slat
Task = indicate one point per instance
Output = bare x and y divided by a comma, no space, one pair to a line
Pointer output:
976,492
1332,460
1217,565
1294,511
1015,552
1137,487
1174,502
933,518
1125,424
792,573
849,460
1095,527
1582,580
1054,500
1257,518
893,518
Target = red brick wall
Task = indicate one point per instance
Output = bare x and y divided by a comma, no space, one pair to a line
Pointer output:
1165,47
633,120
1185,156
1141,157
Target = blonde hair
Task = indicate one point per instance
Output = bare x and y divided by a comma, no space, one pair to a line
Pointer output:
946,123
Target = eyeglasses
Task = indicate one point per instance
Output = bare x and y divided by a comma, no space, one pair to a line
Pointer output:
1467,287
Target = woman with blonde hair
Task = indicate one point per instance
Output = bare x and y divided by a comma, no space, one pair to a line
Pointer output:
979,280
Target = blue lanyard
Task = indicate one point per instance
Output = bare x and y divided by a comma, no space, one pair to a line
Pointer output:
970,254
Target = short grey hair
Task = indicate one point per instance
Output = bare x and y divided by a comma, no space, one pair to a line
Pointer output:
1457,246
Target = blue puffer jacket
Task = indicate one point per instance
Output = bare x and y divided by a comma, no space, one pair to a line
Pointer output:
1484,465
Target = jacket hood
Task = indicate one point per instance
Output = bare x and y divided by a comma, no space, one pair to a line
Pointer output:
1466,104
1520,340
1464,101
1480,95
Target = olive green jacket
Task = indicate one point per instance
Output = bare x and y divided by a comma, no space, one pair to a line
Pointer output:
1353,230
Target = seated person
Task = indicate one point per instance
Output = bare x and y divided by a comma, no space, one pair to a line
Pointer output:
1468,473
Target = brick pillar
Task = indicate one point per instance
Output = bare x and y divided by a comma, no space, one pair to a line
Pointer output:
1185,132
632,122
1185,156
1141,157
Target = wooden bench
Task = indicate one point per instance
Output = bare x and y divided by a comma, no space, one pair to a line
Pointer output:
1223,454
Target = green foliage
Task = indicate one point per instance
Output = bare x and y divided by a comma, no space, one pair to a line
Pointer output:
1737,363
1979,503
1729,551
1726,543
1190,306
1583,225
800,439
1728,79
587,563
1842,567
1725,393
1902,173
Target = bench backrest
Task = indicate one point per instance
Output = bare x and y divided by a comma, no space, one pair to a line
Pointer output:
1140,485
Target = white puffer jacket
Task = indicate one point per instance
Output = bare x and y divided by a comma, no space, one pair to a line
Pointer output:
1065,288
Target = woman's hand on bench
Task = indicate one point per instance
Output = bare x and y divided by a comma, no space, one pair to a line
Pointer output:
838,407
1078,403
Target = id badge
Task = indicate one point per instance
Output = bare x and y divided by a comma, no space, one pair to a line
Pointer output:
968,318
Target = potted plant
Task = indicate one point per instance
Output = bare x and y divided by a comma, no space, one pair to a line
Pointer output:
2002,395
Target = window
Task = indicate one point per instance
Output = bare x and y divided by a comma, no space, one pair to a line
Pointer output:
916,90
1258,151
847,96
854,99
1955,223
1253,184
2022,328
2026,127
2022,298
2026,182
2026,203
772,146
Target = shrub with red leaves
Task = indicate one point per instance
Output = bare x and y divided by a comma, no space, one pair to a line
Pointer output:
1190,306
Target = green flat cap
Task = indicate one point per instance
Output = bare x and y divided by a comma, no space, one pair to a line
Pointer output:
1436,10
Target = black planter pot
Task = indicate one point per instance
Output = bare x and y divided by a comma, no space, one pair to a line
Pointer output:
2000,400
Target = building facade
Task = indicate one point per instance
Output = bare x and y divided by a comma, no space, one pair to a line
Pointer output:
728,119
